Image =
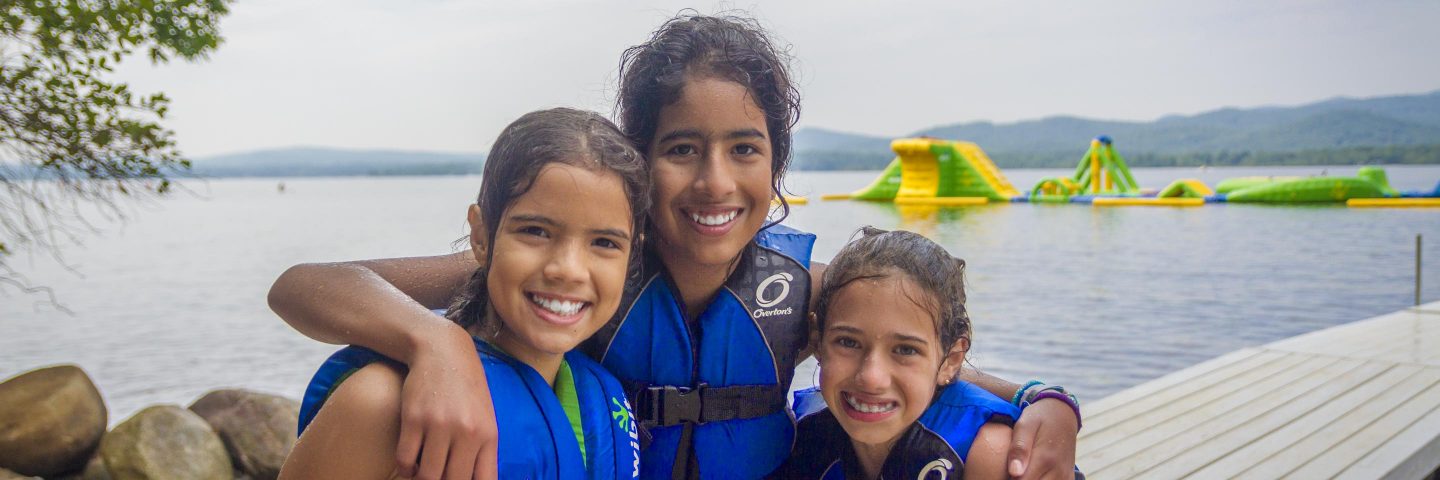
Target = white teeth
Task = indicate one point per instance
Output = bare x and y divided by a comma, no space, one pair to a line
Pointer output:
714,220
869,408
561,307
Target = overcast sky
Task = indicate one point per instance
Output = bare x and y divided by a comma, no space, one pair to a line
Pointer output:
447,75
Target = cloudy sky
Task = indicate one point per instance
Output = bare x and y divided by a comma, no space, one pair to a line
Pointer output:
447,75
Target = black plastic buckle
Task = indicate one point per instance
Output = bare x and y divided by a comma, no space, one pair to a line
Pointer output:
675,405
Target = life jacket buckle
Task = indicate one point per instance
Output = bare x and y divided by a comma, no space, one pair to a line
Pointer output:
676,405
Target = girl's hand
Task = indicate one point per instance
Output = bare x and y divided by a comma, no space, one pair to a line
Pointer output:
1043,444
447,422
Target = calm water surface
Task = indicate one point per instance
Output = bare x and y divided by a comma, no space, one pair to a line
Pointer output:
172,303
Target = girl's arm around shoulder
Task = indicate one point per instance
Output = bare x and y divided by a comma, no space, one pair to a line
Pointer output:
380,304
354,434
987,455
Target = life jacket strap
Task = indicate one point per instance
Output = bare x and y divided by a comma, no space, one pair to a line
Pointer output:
685,466
668,405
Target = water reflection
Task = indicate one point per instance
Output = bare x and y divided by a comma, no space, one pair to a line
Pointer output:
928,219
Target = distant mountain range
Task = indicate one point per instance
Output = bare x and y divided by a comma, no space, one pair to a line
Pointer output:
326,162
1394,129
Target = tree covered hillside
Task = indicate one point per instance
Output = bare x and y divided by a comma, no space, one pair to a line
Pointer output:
1396,129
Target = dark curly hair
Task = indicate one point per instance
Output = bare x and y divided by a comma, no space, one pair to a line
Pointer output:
878,254
558,135
735,48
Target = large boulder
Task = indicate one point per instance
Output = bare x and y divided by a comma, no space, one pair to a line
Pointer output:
165,442
258,428
51,420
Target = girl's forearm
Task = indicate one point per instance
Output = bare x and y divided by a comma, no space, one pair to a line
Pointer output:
995,385
380,304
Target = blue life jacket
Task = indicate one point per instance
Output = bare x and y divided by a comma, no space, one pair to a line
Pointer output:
711,394
938,443
536,438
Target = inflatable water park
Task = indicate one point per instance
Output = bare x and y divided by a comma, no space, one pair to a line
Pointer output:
930,171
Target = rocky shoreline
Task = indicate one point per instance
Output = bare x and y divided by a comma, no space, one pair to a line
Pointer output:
53,419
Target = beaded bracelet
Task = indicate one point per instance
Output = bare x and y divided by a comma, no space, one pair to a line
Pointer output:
1034,390
1020,394
1064,397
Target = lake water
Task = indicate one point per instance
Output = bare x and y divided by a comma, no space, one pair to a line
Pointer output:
172,303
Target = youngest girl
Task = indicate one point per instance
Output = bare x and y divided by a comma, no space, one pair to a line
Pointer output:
555,230
893,333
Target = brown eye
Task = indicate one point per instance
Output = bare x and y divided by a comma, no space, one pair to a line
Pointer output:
906,350
533,231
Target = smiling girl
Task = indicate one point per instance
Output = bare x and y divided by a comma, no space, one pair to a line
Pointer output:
562,197
893,335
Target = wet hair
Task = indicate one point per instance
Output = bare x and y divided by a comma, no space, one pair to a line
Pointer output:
558,135
690,45
877,254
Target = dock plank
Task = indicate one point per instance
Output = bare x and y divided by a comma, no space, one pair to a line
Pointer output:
1141,446
1306,449
1240,436
1408,455
1152,448
1271,443
1343,455
1103,443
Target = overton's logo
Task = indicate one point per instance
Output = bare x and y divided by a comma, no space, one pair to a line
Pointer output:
781,278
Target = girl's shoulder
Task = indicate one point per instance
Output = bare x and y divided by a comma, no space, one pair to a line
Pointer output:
793,243
372,389
354,436
960,413
335,372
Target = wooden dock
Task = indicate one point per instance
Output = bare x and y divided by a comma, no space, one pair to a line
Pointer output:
1360,400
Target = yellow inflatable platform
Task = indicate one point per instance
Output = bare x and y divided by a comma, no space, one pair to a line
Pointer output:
934,168
1393,202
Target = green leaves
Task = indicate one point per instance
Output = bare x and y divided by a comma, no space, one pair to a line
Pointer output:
185,28
63,118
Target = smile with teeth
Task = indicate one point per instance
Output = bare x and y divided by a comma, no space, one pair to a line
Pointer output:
557,306
863,407
714,219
